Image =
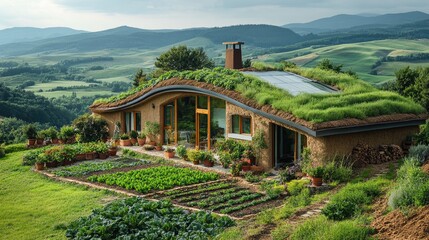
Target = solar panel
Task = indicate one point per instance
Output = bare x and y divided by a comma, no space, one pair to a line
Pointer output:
292,83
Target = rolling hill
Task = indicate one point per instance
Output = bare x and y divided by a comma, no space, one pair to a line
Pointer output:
133,38
28,34
345,21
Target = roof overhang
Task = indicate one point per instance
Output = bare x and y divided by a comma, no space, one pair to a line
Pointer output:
309,131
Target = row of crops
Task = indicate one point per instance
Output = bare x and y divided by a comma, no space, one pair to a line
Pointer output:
223,197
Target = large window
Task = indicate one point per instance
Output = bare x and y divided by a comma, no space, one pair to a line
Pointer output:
241,124
132,121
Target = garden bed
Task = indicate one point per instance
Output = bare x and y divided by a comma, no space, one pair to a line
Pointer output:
224,197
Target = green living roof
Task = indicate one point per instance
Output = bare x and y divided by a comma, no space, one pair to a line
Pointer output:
356,98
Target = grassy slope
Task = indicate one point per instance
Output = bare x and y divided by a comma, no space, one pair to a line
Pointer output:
357,56
34,207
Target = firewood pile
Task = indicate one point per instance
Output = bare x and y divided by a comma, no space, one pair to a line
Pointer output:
363,154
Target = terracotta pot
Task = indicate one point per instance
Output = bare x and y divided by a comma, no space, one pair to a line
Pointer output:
256,169
133,141
90,156
316,181
80,157
55,141
208,163
52,164
246,168
125,142
158,148
153,143
141,141
113,151
40,166
169,154
196,162
103,155
31,142
39,141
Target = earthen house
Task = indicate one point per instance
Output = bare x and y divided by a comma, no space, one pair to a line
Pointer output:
194,113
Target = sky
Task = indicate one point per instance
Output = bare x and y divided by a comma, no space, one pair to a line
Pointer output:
95,15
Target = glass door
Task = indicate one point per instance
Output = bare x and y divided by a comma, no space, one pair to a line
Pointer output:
202,131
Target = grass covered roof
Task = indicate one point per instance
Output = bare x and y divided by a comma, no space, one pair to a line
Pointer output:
357,99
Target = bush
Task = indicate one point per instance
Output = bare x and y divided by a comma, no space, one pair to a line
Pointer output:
30,157
11,148
2,152
337,171
152,130
30,131
66,132
350,200
225,158
419,152
91,128
412,187
272,188
316,172
295,187
423,136
302,199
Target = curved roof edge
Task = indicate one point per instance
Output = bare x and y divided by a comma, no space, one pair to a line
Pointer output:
309,131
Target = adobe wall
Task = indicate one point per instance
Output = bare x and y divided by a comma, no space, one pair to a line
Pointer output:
325,148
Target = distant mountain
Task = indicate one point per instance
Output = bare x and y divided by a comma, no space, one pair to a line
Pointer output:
345,21
133,38
28,34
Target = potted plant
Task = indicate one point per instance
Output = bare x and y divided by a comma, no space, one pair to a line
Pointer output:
141,139
40,137
245,166
80,154
236,168
53,134
207,158
169,152
316,174
31,133
148,147
67,134
112,148
152,130
103,150
158,147
40,161
125,140
89,151
133,137
182,152
193,155
225,158
116,132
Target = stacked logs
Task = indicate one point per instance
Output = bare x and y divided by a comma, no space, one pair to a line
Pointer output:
363,154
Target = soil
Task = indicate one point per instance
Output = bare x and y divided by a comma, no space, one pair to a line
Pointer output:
397,225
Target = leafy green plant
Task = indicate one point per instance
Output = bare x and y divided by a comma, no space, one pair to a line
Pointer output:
157,178
316,171
125,136
17,147
134,134
66,132
295,187
412,187
136,218
252,178
272,188
259,143
419,152
152,130
225,158
91,128
336,170
182,152
142,135
30,131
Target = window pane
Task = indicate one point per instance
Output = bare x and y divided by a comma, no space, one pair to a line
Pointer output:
218,119
246,125
202,102
128,122
169,114
138,122
235,124
186,121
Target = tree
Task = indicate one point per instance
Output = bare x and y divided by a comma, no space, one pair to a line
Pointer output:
139,78
182,58
91,128
414,83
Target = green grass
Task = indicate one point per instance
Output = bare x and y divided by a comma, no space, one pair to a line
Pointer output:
357,98
34,207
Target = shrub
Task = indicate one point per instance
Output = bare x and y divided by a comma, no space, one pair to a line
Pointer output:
11,148
52,133
423,136
302,199
316,172
152,130
125,136
2,151
91,128
134,134
30,157
419,152
67,132
225,158
337,171
295,187
412,187
252,178
272,188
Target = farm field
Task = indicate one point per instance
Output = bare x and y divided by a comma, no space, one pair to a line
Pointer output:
358,57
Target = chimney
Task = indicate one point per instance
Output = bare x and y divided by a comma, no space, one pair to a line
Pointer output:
233,55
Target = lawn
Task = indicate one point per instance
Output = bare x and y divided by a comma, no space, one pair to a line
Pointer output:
34,207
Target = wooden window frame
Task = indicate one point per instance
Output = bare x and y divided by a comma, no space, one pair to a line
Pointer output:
134,116
240,124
